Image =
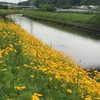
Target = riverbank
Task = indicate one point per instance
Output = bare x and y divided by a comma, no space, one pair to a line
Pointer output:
84,21
31,69
4,13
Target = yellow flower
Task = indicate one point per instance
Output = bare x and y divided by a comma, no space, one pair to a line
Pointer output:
11,45
18,79
4,69
32,76
50,78
37,94
1,51
19,87
1,61
25,65
69,90
15,51
34,97
88,99
18,67
63,85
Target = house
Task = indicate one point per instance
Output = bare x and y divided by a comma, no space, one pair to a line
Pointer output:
84,7
92,7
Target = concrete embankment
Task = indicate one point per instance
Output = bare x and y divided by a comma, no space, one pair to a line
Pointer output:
95,28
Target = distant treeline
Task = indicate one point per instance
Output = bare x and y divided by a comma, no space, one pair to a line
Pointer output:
3,7
62,3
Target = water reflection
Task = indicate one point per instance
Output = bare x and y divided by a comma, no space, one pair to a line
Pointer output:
74,30
84,47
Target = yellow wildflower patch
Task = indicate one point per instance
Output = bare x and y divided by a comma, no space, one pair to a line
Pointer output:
42,59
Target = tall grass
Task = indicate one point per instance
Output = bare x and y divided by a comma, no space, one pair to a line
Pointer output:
6,12
64,17
32,70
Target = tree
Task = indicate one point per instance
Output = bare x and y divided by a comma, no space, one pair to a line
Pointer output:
47,7
3,7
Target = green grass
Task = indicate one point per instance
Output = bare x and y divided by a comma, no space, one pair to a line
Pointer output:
56,17
66,17
6,12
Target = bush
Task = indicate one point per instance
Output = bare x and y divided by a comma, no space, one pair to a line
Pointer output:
48,7
3,7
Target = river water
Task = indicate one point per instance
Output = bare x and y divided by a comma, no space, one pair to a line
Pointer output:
84,50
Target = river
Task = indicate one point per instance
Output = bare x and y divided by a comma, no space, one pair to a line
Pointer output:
84,50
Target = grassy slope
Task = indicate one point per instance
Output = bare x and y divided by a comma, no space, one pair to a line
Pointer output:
66,17
28,66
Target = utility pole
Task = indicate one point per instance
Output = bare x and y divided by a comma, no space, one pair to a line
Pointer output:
32,3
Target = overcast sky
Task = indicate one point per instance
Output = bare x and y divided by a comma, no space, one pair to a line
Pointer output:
12,1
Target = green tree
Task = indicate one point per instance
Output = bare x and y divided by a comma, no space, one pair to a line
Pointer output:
3,7
47,7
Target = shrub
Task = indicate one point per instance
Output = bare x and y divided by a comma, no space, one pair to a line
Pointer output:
48,7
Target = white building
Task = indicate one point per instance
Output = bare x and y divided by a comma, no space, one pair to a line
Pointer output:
92,6
84,7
